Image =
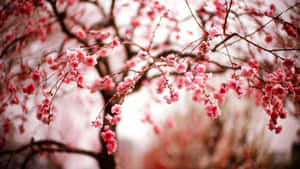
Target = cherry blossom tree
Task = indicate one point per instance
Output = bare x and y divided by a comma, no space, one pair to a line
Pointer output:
135,44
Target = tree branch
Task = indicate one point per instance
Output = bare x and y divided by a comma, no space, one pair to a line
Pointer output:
226,17
61,17
46,146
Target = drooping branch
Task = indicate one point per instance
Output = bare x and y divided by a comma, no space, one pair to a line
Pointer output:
61,17
271,51
49,146
6,48
274,18
61,147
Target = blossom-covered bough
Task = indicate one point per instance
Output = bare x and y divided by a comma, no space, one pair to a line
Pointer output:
252,41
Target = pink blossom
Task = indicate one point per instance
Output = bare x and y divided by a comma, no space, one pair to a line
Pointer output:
180,81
80,55
181,68
14,100
72,2
171,59
171,122
81,34
213,33
125,86
36,76
290,30
278,129
115,43
131,63
269,38
135,22
162,84
108,83
116,109
289,62
199,69
90,61
248,72
157,129
103,52
212,111
108,135
111,146
116,119
279,90
97,123
29,89
253,63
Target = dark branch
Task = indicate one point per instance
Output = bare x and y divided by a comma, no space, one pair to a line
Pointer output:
226,17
